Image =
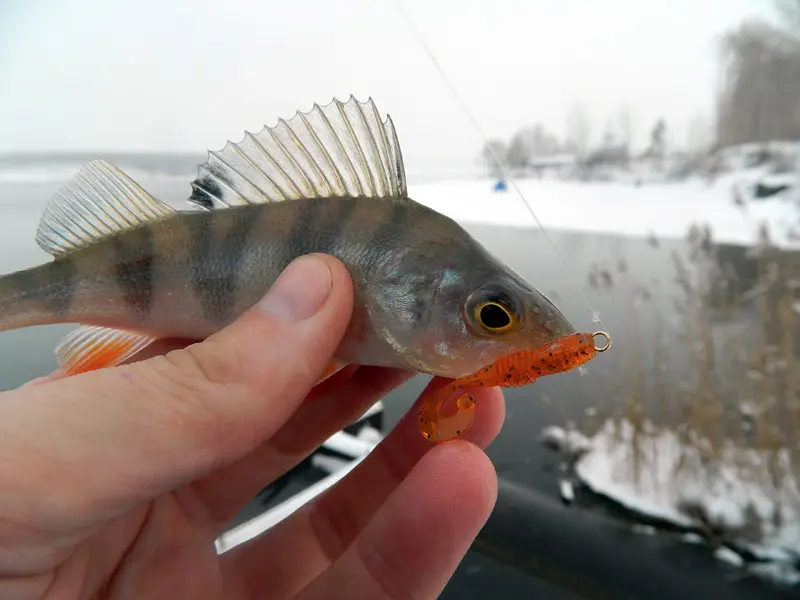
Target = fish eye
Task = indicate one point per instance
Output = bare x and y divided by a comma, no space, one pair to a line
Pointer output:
495,317
492,310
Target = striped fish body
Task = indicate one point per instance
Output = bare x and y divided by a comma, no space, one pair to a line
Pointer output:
192,273
131,269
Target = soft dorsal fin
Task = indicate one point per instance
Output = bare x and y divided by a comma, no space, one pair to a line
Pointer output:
98,201
341,149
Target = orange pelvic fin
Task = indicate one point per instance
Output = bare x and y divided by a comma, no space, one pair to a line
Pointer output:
333,367
89,348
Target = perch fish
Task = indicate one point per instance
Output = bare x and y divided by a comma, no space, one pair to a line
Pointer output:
129,268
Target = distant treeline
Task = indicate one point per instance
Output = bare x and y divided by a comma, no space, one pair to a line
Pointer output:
758,100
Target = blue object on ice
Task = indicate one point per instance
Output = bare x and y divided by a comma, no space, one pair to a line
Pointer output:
500,186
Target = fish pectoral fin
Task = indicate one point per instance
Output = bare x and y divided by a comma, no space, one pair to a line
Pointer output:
88,348
99,201
341,149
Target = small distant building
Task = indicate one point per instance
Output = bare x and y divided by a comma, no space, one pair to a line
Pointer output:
556,165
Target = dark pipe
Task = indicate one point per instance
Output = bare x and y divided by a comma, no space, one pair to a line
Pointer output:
593,556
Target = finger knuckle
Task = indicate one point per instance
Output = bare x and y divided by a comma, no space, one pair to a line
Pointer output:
386,577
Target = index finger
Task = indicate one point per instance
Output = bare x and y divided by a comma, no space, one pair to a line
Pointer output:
324,529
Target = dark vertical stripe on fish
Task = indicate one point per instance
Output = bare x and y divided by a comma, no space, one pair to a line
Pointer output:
329,228
58,289
337,226
391,233
134,256
199,232
215,280
304,237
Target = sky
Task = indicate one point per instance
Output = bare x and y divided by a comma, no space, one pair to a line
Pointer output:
188,75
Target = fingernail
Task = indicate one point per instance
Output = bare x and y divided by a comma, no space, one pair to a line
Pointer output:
300,290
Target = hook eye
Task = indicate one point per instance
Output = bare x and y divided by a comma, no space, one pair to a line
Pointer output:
607,345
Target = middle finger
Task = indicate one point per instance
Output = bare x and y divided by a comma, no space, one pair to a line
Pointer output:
322,530
335,404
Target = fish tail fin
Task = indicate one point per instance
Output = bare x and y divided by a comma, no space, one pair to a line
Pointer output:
100,201
23,303
34,297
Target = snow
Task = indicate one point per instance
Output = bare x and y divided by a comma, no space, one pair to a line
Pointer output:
749,498
691,537
665,210
567,441
370,435
566,490
727,555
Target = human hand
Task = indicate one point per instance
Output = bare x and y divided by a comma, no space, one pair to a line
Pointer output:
115,483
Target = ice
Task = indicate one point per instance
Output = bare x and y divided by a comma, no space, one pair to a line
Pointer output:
661,210
34,174
751,498
61,172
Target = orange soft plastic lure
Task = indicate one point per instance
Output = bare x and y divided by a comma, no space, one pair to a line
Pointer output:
448,414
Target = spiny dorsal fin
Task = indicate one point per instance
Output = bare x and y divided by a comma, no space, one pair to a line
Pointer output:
88,348
98,201
341,149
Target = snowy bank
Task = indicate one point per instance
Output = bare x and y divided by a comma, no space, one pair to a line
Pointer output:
663,210
747,499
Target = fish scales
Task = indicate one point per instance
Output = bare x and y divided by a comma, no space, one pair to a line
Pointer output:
217,263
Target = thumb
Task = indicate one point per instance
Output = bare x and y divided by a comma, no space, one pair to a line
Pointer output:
137,430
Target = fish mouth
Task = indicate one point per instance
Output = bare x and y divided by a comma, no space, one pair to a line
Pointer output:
548,322
554,323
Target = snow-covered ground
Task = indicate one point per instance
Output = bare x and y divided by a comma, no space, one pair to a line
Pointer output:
617,206
665,210
749,500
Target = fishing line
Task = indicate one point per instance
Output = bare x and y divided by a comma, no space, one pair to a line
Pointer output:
506,174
